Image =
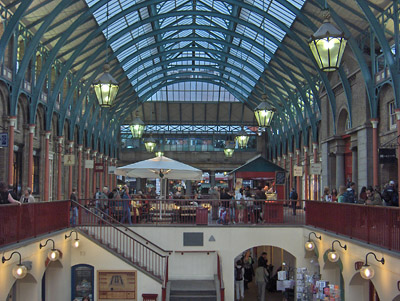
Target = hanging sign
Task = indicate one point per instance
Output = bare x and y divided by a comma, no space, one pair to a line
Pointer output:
3,139
112,169
69,160
89,164
98,167
387,155
315,168
297,171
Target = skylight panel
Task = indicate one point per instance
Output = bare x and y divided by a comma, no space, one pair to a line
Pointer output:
222,7
281,13
120,41
132,17
219,34
116,27
167,21
165,6
221,22
273,29
251,17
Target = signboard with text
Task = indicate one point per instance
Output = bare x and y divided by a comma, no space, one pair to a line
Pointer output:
98,167
89,164
111,170
315,168
387,155
117,285
297,171
3,139
69,160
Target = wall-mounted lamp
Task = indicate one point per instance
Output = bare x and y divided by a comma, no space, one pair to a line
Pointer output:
54,254
310,244
333,256
20,270
76,241
367,272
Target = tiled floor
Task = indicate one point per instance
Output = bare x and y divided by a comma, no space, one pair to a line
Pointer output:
251,294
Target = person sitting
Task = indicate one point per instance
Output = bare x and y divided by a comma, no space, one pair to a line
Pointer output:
373,197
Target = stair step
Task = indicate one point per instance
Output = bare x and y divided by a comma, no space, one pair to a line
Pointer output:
193,293
193,298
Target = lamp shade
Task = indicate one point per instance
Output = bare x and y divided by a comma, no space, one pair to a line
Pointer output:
150,144
242,138
309,245
76,243
53,255
229,149
327,45
137,128
264,114
19,271
367,272
333,256
159,154
106,88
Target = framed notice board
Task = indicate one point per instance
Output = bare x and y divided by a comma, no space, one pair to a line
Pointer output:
117,285
82,281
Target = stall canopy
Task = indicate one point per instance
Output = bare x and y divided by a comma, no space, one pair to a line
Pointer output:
257,168
160,167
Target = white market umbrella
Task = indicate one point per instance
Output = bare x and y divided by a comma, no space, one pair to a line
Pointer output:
160,167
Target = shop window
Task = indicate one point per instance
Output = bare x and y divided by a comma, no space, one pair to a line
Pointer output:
392,116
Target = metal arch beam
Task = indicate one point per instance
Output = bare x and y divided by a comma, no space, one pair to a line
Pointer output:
393,65
12,25
202,59
210,76
53,53
208,67
30,50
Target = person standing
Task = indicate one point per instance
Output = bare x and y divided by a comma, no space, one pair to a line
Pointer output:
261,279
293,197
126,206
390,195
239,280
342,194
74,207
248,268
27,197
5,196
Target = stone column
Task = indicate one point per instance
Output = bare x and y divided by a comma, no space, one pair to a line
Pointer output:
291,171
375,158
70,150
306,173
114,177
87,176
284,162
398,148
59,166
46,166
340,180
11,129
101,184
212,178
364,157
80,147
279,161
30,156
94,174
105,170
315,153
326,170
298,187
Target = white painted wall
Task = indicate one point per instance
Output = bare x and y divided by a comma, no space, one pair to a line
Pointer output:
229,243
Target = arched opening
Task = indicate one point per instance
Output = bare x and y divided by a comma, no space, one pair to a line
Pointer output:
343,123
53,281
278,273
22,288
397,298
362,289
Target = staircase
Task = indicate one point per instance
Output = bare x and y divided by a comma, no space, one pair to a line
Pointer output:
192,290
124,243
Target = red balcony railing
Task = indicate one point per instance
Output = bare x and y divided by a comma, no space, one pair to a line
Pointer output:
18,222
376,225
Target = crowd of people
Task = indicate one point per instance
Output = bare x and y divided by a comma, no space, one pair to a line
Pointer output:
368,195
8,195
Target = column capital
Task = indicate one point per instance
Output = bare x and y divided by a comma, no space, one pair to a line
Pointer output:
306,149
284,157
94,153
105,158
279,158
315,145
297,151
60,139
100,155
375,122
397,111
290,155
32,128
80,148
47,134
71,144
88,151
12,120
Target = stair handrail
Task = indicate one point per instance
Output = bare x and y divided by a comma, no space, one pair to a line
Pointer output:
221,280
119,230
122,225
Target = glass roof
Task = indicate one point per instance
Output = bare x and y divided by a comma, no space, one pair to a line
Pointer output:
227,42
